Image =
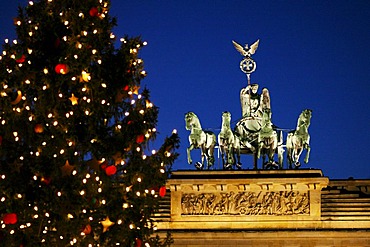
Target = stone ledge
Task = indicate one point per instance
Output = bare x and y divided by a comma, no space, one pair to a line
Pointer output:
217,174
319,226
277,238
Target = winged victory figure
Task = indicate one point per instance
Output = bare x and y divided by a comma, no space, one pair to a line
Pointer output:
246,51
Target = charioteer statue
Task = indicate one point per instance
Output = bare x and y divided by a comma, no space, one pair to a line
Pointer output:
255,129
253,104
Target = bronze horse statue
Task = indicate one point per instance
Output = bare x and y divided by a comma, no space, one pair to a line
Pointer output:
229,143
269,142
199,139
299,139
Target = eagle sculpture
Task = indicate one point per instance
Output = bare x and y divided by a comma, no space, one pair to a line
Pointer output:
246,51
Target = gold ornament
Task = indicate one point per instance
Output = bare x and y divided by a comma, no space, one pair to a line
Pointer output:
73,99
135,89
106,224
85,77
18,99
94,163
67,169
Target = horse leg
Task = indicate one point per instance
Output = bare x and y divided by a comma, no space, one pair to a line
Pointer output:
280,152
211,158
259,148
200,165
264,163
273,147
290,157
191,147
237,153
222,151
230,155
271,157
227,159
308,148
297,154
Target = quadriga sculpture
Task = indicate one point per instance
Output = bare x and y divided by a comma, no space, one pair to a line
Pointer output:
199,139
299,139
229,143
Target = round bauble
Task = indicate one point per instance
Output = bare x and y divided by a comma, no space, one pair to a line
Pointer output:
39,128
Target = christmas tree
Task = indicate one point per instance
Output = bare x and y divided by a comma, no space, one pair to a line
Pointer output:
75,132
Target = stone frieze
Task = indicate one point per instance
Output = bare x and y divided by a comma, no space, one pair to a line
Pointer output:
275,203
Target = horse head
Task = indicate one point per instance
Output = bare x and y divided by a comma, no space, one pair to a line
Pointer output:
226,118
190,120
305,118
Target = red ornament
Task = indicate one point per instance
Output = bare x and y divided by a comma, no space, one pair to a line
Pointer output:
10,218
94,12
61,68
87,229
139,139
20,59
110,170
138,242
38,128
126,88
162,191
1,140
46,180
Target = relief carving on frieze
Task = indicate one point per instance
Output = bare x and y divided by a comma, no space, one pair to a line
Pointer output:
277,203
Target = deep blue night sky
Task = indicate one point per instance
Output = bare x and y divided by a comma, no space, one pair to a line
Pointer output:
312,54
